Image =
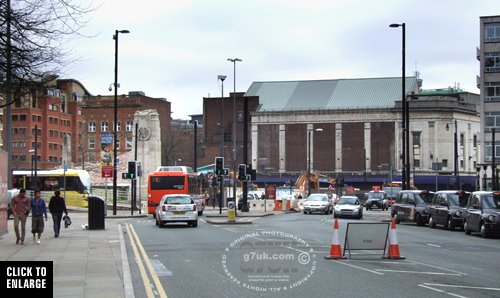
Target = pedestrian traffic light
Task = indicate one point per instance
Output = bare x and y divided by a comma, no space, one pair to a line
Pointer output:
219,166
242,172
132,169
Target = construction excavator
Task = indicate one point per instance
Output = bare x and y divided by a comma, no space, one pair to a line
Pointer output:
302,181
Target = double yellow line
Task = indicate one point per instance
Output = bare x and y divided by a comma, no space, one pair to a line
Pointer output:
140,255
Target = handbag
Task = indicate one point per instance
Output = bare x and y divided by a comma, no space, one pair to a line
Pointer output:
67,221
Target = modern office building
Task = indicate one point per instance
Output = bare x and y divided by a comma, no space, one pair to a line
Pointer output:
489,83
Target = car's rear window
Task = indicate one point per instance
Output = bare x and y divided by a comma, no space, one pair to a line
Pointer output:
179,200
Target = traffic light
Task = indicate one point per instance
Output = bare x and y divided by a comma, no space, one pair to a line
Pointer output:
242,172
132,169
219,166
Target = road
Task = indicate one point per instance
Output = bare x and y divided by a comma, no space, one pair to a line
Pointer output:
283,256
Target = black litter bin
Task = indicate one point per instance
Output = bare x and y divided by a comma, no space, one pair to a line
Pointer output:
96,213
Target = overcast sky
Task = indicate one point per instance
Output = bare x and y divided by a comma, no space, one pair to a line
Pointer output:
177,48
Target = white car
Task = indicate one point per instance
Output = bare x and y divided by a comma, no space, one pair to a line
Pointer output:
348,206
318,202
177,208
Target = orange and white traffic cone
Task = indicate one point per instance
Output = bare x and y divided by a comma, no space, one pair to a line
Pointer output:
335,250
393,252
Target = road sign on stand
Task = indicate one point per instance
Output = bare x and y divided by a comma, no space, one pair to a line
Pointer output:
107,172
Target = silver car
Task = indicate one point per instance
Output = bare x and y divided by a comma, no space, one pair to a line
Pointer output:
318,202
348,206
177,208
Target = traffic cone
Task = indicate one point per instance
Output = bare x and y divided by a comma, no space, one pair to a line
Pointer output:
335,249
393,252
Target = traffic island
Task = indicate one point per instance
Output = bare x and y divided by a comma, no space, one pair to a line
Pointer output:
227,222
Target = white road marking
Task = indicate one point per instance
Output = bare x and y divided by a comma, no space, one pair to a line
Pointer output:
462,287
438,267
441,291
160,269
360,268
419,272
433,245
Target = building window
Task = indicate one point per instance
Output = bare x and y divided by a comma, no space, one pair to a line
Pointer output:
51,120
22,118
462,139
130,125
416,163
492,91
416,138
491,120
39,118
104,126
492,32
444,163
117,144
492,62
33,118
130,143
118,125
474,141
91,143
55,120
14,117
431,124
92,126
487,153
22,131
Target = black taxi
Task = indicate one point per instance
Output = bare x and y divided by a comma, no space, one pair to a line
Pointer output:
412,205
483,213
447,209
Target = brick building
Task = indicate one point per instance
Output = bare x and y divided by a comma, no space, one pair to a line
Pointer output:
46,114
352,128
213,116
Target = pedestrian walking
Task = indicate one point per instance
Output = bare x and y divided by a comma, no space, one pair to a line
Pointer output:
56,207
20,209
38,210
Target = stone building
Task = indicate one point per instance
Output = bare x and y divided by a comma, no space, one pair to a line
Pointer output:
351,128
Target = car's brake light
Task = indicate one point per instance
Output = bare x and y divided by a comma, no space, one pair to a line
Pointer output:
163,208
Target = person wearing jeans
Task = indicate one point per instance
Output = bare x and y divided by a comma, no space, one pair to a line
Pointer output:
38,210
20,209
56,207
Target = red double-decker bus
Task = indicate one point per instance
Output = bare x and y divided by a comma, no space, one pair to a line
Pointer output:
173,180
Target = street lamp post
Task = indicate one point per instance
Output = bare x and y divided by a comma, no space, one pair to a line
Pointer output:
244,207
310,132
222,139
115,125
405,114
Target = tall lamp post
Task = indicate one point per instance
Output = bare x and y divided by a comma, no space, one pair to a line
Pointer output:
405,113
115,125
310,132
234,131
222,139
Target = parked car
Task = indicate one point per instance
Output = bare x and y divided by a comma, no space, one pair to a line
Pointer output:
447,209
348,206
412,205
483,213
11,193
177,208
377,199
318,202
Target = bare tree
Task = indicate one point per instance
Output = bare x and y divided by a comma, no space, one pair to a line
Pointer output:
35,32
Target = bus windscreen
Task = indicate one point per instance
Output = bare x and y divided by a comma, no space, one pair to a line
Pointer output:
167,182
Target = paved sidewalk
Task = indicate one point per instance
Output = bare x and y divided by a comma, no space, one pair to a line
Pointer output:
87,263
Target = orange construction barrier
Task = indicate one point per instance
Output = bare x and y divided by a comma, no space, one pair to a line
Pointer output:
277,205
335,249
393,252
